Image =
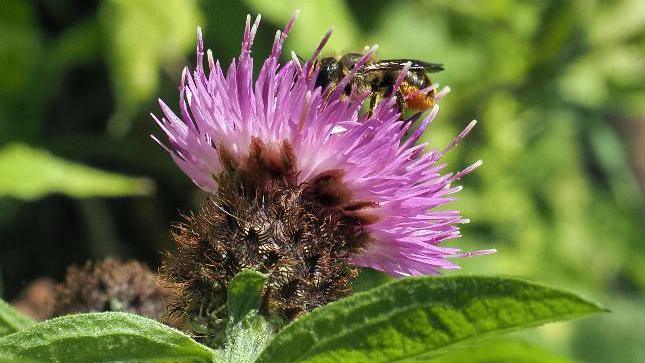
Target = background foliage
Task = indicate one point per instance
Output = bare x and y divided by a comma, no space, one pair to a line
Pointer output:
557,88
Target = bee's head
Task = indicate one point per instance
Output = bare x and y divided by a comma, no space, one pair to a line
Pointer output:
330,72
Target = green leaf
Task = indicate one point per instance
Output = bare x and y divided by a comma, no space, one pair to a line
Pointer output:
11,320
142,36
103,337
245,294
413,317
4,359
499,351
18,39
22,59
29,174
246,340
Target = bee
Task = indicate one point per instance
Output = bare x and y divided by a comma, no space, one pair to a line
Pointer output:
378,78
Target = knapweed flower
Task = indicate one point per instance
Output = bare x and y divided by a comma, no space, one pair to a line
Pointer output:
304,184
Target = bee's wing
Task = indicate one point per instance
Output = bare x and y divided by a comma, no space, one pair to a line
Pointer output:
397,64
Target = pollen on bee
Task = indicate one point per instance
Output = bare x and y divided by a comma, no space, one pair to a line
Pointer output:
414,99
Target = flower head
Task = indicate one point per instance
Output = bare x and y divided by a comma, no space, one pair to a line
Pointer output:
281,128
110,285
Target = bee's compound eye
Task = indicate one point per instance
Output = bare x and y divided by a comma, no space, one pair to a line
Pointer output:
330,72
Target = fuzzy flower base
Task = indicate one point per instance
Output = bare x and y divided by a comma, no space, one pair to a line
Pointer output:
274,232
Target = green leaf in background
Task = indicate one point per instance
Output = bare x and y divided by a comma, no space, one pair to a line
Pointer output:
29,173
1,281
314,20
245,294
21,61
4,359
413,318
12,320
20,43
369,279
615,337
143,36
499,351
103,337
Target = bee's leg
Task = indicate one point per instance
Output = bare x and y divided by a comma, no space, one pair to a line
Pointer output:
326,92
400,103
373,101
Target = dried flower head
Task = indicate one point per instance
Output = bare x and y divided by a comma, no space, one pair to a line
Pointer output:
110,286
282,159
36,299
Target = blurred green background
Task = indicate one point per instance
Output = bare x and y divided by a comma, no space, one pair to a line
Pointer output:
558,88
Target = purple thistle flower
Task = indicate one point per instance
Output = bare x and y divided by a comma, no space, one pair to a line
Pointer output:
387,182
